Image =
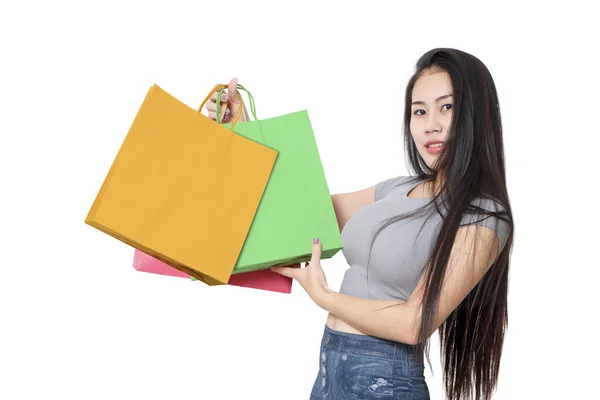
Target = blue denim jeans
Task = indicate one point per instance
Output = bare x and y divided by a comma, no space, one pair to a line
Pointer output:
355,366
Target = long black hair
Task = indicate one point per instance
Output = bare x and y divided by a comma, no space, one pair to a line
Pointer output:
472,164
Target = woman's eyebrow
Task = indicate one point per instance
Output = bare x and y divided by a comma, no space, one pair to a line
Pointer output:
436,100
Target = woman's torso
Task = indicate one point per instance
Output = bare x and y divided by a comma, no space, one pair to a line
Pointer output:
416,192
338,325
390,267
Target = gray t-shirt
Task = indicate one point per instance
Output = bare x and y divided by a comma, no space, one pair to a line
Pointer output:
401,250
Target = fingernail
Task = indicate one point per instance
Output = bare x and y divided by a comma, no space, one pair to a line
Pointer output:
315,241
227,111
224,97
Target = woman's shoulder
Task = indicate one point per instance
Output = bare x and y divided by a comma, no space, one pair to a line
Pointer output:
488,212
487,205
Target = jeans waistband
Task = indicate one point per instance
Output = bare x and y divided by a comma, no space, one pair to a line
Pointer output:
367,345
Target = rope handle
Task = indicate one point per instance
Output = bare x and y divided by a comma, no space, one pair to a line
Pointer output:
219,89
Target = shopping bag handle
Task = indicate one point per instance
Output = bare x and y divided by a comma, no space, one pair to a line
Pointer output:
219,88
252,105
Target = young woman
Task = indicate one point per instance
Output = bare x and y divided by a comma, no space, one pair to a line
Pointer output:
426,252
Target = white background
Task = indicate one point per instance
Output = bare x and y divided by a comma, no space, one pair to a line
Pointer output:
78,322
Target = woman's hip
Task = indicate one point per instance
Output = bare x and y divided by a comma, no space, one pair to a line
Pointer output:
353,366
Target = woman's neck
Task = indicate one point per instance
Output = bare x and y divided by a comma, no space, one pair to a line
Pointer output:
434,186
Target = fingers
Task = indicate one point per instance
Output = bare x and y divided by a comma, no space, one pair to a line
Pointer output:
234,96
213,98
316,251
230,102
290,272
211,107
213,115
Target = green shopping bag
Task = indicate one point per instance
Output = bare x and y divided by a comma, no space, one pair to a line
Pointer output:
296,205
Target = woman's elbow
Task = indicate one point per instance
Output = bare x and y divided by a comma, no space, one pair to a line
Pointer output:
410,333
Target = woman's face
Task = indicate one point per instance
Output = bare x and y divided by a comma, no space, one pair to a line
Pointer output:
431,113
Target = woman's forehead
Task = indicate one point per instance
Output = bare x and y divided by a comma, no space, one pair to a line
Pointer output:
431,86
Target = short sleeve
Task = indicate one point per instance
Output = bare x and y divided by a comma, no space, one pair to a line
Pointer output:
497,224
383,188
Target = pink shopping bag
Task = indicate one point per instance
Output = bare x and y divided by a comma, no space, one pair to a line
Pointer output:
262,279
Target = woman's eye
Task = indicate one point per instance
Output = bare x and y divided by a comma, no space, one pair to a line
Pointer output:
419,112
449,106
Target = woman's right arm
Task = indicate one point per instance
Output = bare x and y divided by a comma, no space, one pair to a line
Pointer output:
347,204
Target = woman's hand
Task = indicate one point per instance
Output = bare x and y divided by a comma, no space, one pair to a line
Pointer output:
311,277
230,101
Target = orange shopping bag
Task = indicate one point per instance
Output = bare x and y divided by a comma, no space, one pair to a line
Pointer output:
183,188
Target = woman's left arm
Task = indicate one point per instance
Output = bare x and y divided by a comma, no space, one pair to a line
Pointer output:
400,320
